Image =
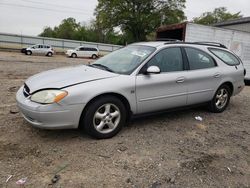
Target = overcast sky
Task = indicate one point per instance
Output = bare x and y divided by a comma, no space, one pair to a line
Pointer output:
30,16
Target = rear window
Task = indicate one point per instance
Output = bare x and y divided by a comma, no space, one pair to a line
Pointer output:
225,56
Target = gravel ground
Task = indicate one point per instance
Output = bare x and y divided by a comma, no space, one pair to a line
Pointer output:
166,150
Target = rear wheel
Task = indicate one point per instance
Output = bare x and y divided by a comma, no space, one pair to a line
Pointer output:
94,56
104,118
28,52
49,54
74,55
221,99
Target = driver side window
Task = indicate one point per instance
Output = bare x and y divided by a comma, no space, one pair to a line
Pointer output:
168,60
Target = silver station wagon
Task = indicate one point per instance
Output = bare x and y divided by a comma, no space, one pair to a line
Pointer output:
137,79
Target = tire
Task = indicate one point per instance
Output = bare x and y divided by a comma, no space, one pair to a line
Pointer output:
220,100
104,117
28,52
49,54
74,55
94,56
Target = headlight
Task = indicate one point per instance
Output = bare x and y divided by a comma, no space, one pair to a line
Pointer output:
48,96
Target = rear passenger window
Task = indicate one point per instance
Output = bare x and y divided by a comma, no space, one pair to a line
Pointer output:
225,56
198,59
168,60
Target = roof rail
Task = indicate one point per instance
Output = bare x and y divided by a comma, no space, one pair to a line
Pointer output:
211,43
215,44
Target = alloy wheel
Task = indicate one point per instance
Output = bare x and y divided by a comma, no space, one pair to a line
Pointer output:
221,98
106,118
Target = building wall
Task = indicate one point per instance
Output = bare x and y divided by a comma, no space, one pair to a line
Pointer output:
239,27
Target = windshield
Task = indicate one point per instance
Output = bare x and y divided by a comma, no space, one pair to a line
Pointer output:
125,60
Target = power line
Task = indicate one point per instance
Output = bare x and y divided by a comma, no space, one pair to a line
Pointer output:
40,8
51,4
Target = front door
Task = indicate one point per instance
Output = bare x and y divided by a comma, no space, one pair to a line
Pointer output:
35,49
164,90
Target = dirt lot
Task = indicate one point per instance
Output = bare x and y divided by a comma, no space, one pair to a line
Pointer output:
167,150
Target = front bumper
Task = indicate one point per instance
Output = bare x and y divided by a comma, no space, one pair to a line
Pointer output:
51,116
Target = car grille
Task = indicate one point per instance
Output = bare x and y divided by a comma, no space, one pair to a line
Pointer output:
26,90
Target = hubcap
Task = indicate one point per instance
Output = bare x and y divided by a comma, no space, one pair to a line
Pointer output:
221,98
107,118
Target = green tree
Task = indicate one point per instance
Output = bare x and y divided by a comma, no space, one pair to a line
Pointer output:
92,32
218,15
138,18
67,29
48,32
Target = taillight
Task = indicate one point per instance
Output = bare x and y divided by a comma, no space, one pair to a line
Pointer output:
245,72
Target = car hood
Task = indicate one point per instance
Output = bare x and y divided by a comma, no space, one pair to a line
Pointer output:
64,77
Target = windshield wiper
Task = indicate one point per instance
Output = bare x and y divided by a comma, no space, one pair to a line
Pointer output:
102,67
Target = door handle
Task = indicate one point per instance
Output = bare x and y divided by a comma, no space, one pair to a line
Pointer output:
217,75
180,80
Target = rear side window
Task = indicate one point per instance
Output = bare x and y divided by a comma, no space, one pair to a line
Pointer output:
225,56
198,59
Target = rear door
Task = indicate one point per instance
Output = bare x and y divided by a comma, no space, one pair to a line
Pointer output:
203,77
165,90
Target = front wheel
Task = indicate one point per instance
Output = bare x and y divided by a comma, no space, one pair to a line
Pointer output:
104,118
221,99
28,52
74,55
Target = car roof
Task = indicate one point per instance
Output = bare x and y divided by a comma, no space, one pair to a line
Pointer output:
152,44
41,44
86,47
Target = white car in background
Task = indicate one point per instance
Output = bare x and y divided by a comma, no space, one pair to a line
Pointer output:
82,51
40,49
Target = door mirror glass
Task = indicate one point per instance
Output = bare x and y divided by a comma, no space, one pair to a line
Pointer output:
153,70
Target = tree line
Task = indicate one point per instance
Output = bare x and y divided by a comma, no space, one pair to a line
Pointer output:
125,21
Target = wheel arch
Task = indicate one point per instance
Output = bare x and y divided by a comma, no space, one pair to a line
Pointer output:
230,85
123,99
73,53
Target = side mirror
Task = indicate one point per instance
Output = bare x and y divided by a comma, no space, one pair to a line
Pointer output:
153,70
